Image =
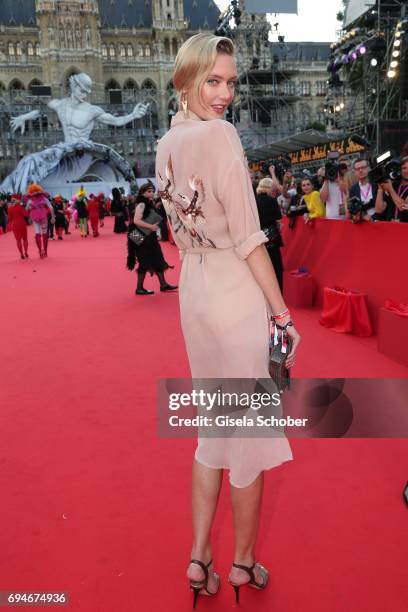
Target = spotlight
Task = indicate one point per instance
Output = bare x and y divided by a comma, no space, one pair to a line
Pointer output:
397,34
397,43
394,64
338,108
374,62
391,74
342,105
354,55
395,54
362,49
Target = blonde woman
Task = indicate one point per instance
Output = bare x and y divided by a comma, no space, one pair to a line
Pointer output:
227,289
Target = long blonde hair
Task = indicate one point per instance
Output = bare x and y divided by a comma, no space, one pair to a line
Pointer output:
196,58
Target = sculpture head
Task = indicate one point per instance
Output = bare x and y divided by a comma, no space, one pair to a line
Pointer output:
81,85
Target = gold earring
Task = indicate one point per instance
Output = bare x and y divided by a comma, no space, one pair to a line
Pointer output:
184,106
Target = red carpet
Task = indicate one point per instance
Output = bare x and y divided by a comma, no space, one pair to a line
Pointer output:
93,503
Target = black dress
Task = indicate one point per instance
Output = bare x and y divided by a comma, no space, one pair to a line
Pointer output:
269,215
149,253
118,210
59,214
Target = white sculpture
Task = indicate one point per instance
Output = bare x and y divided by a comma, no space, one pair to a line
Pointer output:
78,118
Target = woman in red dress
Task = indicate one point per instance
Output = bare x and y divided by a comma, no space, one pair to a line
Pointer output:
93,212
17,219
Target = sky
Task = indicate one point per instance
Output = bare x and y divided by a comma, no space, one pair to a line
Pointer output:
316,21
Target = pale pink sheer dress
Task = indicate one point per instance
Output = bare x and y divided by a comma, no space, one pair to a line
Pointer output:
205,186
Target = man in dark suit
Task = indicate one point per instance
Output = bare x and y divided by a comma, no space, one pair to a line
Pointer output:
364,190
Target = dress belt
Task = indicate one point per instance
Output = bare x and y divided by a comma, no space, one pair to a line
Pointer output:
205,250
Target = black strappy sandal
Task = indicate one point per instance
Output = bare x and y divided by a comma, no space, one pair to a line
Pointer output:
252,582
198,585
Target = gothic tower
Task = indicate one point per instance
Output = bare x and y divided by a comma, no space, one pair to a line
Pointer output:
70,42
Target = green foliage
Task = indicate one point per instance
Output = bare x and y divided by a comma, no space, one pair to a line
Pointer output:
316,125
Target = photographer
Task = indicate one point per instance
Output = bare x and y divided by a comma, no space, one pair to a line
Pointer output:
283,185
333,193
392,198
269,218
364,192
297,205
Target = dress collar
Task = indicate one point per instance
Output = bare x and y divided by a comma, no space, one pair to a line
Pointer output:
179,117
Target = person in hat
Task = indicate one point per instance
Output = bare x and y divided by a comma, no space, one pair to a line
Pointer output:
81,208
18,216
39,207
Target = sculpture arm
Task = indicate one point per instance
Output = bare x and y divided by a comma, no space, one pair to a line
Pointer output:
108,119
19,122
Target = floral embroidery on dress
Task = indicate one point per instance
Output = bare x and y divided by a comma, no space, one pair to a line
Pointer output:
186,214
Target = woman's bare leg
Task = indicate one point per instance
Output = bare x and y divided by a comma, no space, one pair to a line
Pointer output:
246,508
205,494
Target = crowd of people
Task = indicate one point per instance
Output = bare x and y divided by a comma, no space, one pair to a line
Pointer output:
51,217
345,194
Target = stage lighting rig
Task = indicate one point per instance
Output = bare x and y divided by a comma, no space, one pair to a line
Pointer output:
223,27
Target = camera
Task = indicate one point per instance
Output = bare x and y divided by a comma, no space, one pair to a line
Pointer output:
332,167
386,169
355,206
281,166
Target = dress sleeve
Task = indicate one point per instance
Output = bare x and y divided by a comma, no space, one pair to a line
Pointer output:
139,210
234,191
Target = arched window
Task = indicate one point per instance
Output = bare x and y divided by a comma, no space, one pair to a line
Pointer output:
148,85
11,49
34,83
19,49
147,51
112,84
30,49
37,49
130,84
130,50
122,50
104,51
140,50
16,85
174,46
112,51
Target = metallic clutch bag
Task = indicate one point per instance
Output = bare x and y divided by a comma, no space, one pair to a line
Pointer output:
278,351
136,236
